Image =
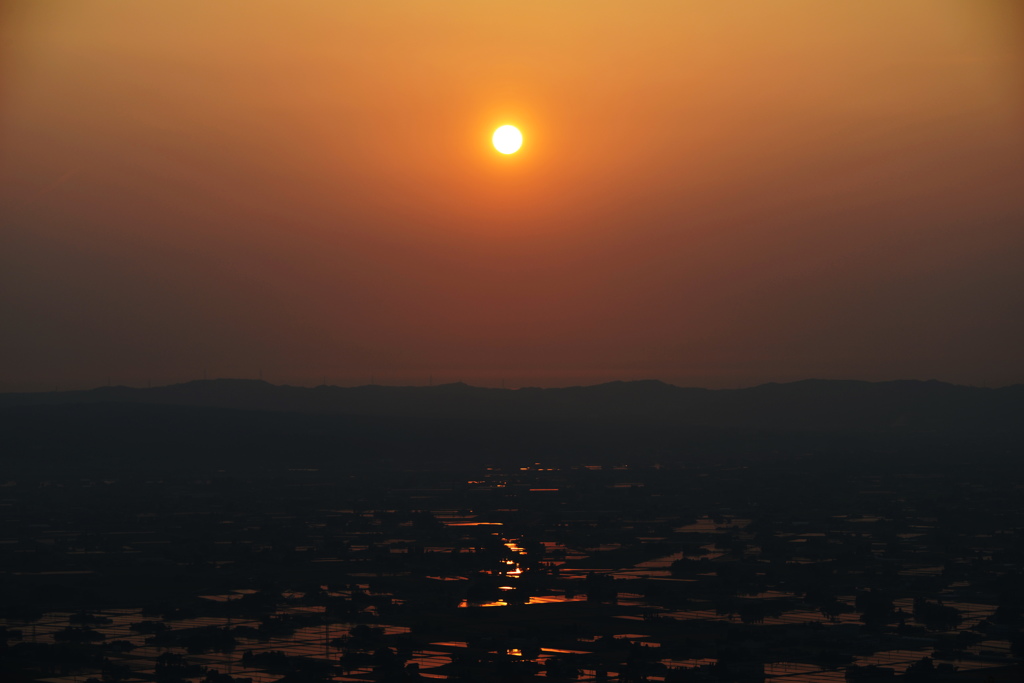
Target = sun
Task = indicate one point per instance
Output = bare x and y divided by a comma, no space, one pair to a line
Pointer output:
507,139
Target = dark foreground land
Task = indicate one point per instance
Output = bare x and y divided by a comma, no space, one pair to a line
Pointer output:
141,541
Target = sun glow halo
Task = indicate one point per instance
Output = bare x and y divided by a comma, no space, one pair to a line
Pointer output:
507,139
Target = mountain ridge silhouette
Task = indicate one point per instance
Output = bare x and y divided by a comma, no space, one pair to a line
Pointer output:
813,404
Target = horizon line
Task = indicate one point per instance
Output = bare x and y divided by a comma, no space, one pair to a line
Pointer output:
435,385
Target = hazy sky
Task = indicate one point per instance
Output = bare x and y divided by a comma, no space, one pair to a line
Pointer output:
709,193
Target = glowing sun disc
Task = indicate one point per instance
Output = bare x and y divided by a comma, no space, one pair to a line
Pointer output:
507,139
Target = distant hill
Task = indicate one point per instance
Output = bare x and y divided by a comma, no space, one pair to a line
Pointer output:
811,405
229,423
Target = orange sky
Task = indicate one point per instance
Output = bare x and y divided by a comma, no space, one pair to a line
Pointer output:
710,193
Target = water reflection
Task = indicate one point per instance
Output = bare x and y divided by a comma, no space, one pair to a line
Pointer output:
402,569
